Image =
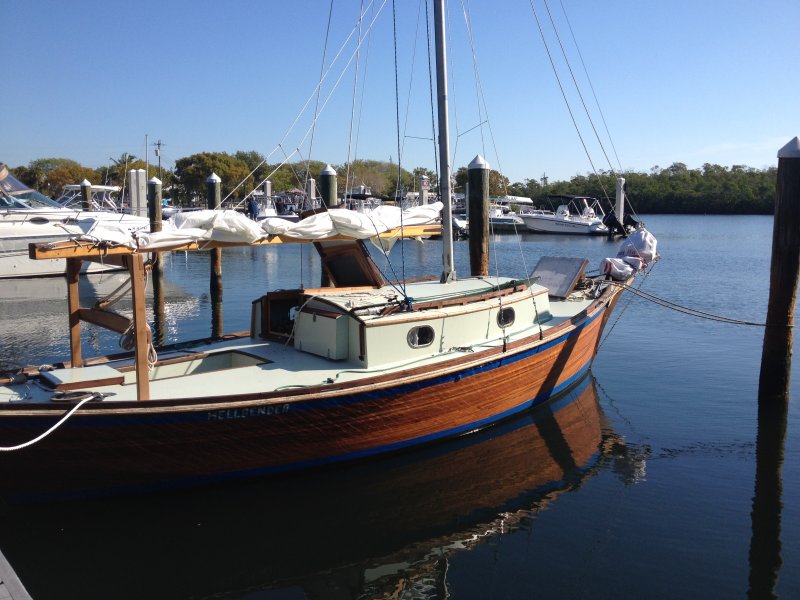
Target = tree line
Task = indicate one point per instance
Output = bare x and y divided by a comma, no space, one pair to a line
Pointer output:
712,189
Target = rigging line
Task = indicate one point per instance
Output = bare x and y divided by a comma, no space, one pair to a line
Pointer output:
275,170
435,162
335,85
316,91
319,89
355,95
591,86
577,87
397,123
411,78
561,88
349,185
482,104
451,81
468,25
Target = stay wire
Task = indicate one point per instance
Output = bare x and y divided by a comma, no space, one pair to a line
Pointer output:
397,124
563,92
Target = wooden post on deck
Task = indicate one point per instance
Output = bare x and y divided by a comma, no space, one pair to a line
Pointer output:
154,213
478,212
327,187
135,264
776,357
73,307
86,195
214,184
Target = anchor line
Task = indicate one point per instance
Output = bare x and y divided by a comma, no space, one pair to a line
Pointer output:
685,309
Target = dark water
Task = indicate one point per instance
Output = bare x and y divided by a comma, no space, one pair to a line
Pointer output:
639,483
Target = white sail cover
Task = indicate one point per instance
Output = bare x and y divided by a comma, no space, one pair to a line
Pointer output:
233,226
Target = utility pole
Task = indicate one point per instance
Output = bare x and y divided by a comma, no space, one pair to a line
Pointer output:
158,145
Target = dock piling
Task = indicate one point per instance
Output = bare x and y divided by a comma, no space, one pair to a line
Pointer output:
214,184
86,195
154,212
776,357
327,187
478,213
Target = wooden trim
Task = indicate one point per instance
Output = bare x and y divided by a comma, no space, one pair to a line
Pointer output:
418,314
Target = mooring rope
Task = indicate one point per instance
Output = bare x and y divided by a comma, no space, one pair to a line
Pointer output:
61,421
684,309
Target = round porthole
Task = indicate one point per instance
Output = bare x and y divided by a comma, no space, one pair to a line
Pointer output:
419,337
505,317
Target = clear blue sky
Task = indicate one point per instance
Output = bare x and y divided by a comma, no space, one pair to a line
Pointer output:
692,81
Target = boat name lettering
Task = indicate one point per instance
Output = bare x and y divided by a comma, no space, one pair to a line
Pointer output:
244,413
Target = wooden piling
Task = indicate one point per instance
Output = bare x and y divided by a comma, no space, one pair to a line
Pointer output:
154,213
478,212
327,187
776,357
214,184
86,195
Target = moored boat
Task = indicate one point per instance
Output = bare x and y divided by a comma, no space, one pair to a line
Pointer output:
361,368
578,215
26,217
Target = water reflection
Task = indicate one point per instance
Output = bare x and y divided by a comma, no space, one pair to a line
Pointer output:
34,322
371,530
765,543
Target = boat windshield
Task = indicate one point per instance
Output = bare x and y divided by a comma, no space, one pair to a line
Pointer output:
15,194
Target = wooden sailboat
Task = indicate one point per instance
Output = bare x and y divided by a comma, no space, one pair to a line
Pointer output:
325,375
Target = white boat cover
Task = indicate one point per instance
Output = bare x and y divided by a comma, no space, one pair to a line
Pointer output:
642,244
634,254
233,226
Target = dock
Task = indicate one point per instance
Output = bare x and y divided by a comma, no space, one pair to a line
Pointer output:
11,587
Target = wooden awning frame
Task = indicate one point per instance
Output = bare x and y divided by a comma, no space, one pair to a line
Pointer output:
76,252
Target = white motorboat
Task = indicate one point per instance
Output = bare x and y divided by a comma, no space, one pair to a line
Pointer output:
26,217
580,215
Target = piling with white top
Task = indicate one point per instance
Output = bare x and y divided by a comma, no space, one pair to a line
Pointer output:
327,187
86,195
214,186
424,186
478,208
776,357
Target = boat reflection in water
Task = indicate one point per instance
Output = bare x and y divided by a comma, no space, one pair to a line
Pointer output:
365,530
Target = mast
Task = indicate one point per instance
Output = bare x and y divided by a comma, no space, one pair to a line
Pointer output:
448,266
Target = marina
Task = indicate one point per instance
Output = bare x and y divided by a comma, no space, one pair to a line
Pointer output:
675,394
329,395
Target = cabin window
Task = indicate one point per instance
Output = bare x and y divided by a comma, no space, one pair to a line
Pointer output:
505,317
419,337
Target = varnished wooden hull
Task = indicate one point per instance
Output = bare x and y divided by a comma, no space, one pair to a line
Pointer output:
133,446
407,509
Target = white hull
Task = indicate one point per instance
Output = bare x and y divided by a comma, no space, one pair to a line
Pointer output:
569,225
20,228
